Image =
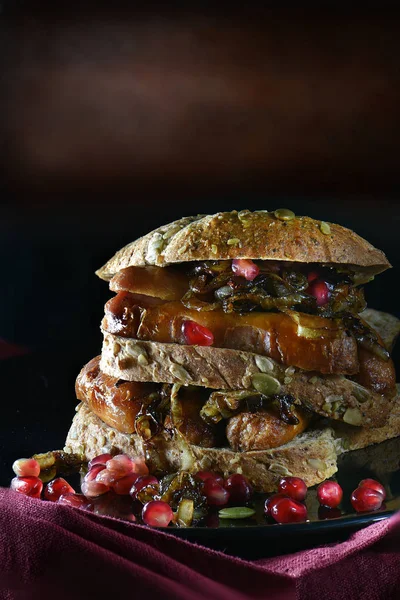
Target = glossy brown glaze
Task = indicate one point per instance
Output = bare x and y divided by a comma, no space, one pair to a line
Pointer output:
115,402
304,341
376,374
188,421
166,284
118,403
263,430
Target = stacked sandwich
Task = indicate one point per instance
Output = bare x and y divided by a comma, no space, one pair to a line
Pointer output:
240,342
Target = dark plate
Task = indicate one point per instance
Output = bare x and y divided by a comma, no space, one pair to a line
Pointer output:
38,410
256,538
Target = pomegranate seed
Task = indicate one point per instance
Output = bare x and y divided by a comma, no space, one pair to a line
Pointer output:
294,487
101,459
365,499
215,494
312,276
94,488
29,486
56,488
204,475
130,517
108,477
287,510
121,464
320,291
197,335
324,512
124,485
270,502
143,482
157,513
329,493
94,471
26,467
245,268
139,466
373,485
76,501
239,488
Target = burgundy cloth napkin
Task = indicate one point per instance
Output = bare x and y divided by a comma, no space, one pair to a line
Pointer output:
53,551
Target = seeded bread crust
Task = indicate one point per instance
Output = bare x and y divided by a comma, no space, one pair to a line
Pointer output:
385,324
354,438
312,456
331,396
256,235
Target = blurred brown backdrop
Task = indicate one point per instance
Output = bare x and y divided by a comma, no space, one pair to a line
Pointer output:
190,101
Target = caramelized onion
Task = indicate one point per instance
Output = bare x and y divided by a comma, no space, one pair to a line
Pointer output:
191,301
366,337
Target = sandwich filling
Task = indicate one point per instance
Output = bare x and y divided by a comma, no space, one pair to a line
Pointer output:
244,420
300,315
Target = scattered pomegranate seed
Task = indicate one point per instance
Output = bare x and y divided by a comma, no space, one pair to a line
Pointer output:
26,467
373,485
29,486
124,485
157,513
287,510
101,459
94,488
121,464
56,488
215,494
130,517
197,335
271,501
329,493
204,475
76,501
365,499
94,471
294,487
139,466
108,477
324,512
245,268
143,482
320,291
239,488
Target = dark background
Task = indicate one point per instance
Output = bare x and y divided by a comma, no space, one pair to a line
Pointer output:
114,122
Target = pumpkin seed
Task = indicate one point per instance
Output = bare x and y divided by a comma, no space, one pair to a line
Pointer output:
325,228
265,384
352,416
263,363
233,241
142,360
236,512
284,214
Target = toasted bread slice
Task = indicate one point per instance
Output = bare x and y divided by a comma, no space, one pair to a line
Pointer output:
331,396
385,324
311,456
260,235
354,438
